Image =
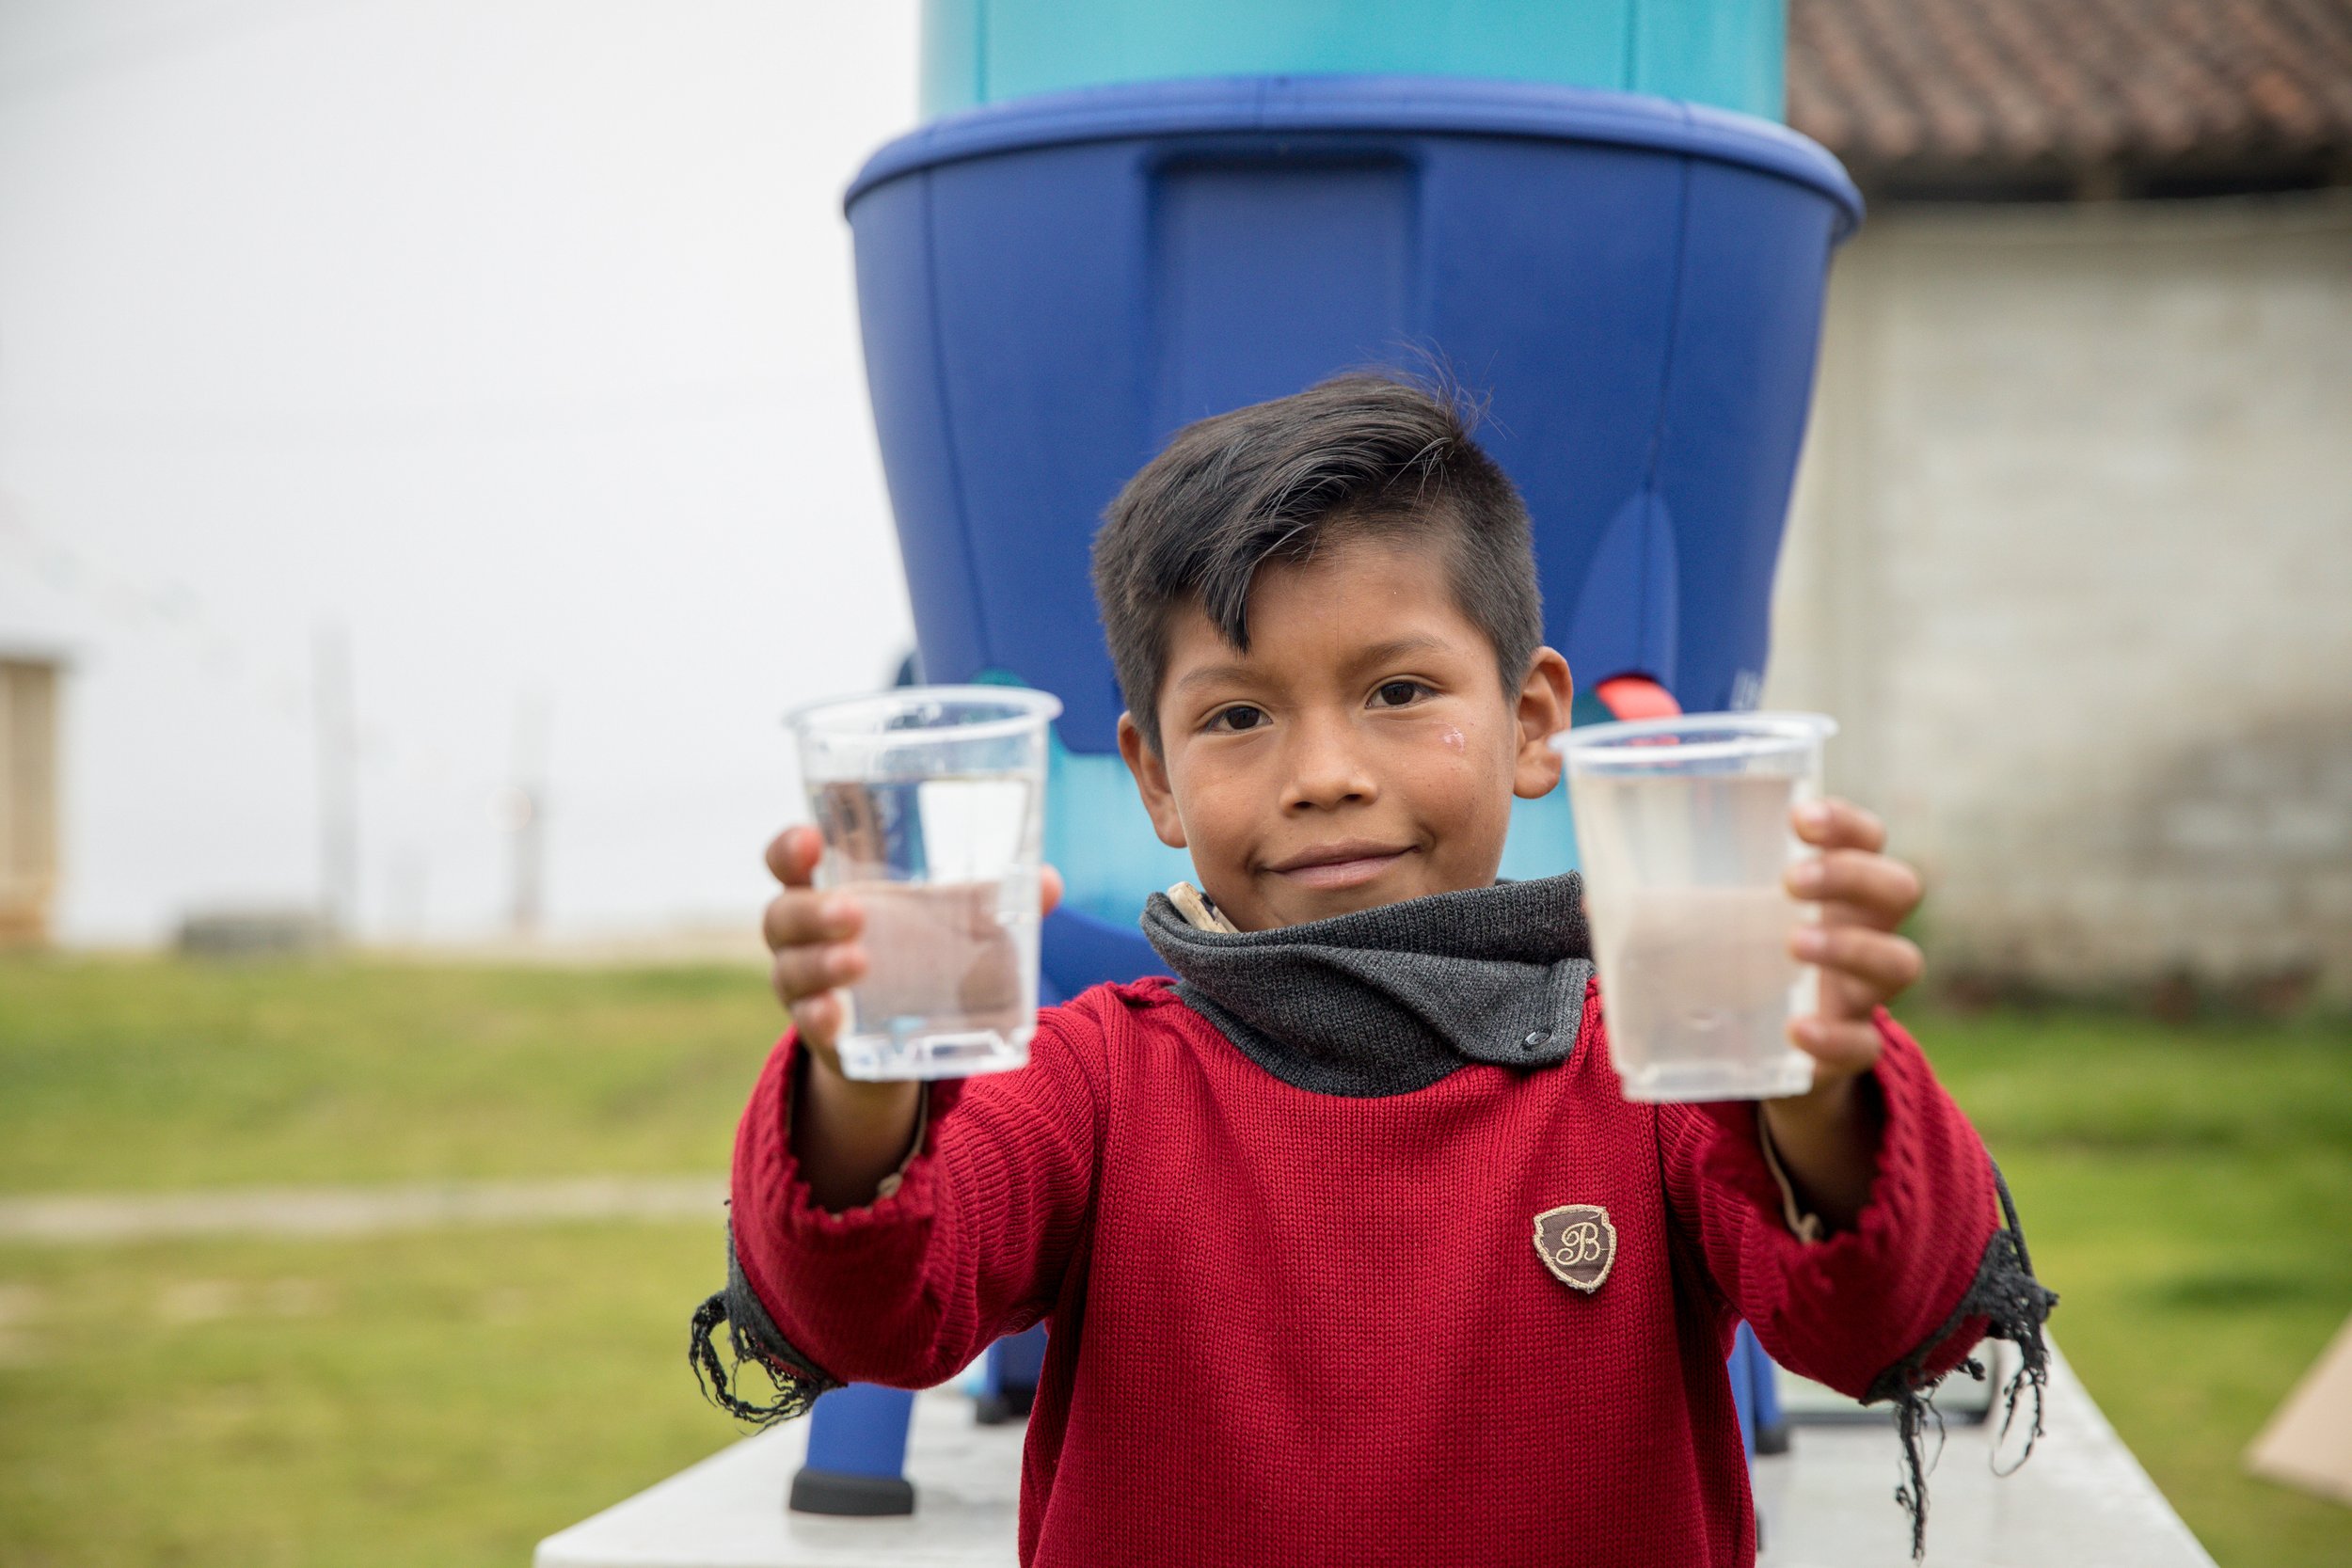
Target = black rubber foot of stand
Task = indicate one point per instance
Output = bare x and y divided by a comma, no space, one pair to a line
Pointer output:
847,1495
1004,1407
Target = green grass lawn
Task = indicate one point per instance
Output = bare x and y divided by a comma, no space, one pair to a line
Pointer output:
123,1074
442,1400
2189,1191
450,1398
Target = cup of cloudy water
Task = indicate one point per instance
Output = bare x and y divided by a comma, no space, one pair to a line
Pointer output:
931,801
1683,827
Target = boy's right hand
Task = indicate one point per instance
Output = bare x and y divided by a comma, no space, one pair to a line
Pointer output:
814,940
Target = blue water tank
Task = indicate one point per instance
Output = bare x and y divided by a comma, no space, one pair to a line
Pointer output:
1050,287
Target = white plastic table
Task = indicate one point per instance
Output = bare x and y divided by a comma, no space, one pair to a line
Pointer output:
2082,1502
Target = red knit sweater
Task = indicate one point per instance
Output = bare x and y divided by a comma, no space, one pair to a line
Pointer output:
1291,1328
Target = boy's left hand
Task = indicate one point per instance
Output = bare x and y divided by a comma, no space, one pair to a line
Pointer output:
1865,895
1827,1137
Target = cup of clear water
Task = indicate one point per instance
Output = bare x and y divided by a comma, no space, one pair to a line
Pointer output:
1683,827
931,801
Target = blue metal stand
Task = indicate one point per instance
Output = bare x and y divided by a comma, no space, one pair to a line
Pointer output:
857,1453
1008,1377
1756,1393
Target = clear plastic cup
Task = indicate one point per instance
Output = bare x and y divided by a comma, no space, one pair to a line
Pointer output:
1683,827
931,801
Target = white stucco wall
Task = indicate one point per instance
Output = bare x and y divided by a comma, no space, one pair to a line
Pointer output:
2072,559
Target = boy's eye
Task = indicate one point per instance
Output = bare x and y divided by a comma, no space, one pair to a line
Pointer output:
1398,693
1241,716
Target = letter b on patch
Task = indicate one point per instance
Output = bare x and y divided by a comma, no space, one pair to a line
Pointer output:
1577,1244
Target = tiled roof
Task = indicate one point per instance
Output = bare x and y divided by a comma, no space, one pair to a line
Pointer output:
1960,89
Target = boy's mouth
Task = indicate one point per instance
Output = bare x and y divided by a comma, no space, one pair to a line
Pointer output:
1347,864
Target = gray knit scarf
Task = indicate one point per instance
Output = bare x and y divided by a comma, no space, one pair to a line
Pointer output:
1391,1000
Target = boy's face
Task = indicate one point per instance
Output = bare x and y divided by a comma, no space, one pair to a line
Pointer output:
1363,751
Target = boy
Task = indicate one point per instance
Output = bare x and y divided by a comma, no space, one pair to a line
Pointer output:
1279,1210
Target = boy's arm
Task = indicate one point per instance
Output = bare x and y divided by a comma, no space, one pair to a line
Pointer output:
969,1236
1876,1155
1882,1308
885,1232
1845,1309
1922,1255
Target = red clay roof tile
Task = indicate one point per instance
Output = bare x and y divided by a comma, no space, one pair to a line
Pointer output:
1956,88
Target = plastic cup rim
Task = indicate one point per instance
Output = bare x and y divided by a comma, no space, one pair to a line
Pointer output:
1039,707
1721,735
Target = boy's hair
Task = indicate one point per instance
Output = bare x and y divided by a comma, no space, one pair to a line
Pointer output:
1359,453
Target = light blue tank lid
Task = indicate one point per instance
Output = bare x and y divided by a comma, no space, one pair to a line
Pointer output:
1726,53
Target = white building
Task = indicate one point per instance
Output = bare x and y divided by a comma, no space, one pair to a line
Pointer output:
2071,550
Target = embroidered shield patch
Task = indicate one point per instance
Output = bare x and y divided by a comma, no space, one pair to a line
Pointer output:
1577,1244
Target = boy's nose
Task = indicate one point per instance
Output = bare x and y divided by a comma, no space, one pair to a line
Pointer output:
1325,770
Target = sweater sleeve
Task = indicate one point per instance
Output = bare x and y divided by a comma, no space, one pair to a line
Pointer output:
1884,1291
972,1243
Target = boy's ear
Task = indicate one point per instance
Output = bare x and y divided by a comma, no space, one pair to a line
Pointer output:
1151,770
1543,712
